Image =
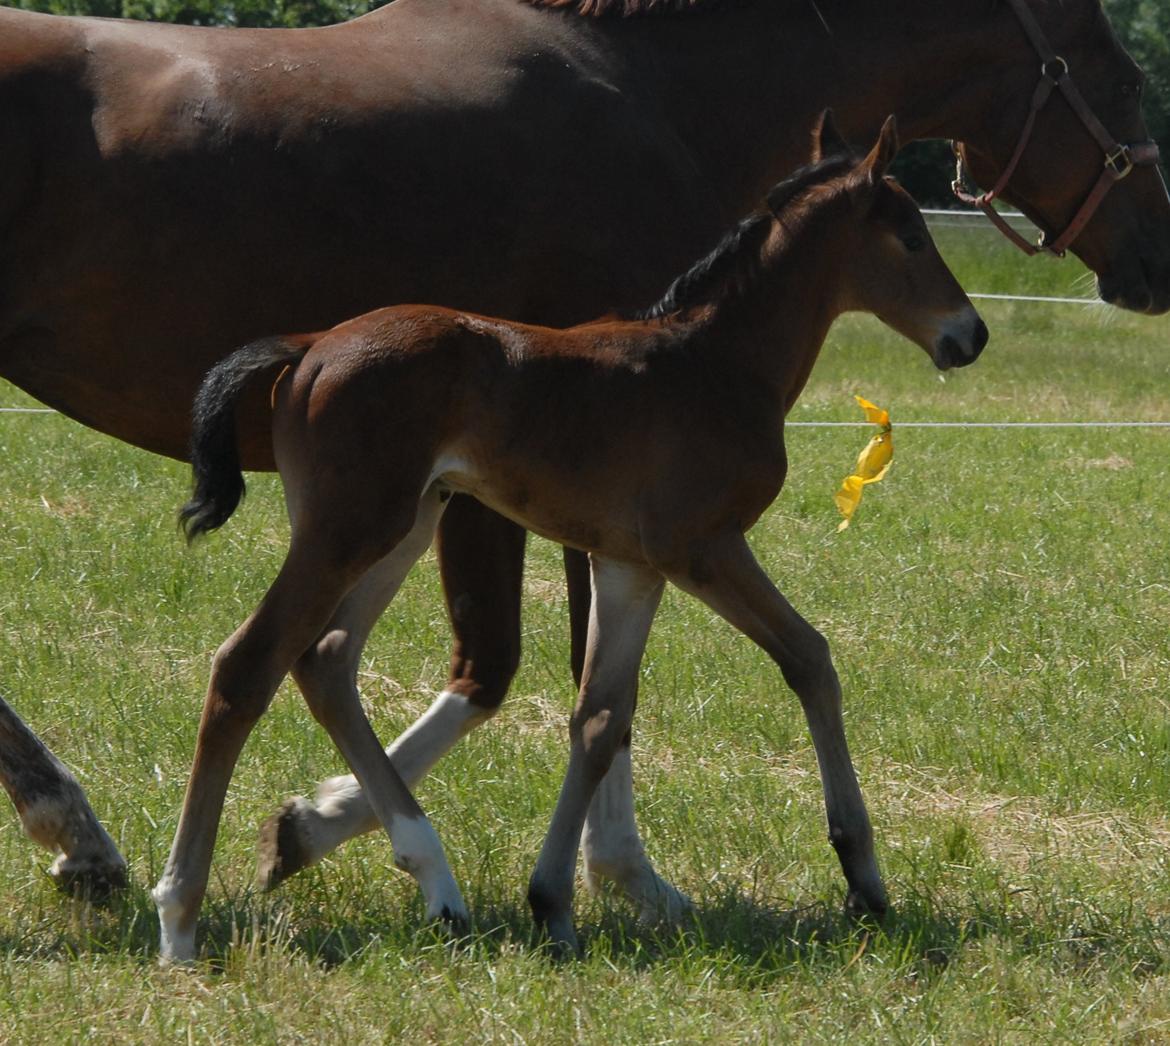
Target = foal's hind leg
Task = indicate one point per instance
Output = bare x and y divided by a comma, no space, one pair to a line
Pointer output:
327,676
734,585
245,673
318,572
482,588
625,598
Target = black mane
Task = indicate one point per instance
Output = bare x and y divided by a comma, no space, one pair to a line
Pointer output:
733,266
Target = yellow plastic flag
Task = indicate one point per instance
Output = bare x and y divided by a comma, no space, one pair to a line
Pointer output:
872,463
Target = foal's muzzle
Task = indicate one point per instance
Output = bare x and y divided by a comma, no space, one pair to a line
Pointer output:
961,340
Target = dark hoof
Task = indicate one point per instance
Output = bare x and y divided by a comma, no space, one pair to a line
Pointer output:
96,883
454,925
858,906
554,922
280,854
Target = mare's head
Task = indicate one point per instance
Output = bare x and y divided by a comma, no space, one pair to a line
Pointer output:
1126,241
885,259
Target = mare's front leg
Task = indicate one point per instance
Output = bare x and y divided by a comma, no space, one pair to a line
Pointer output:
614,851
481,557
611,843
625,599
54,812
734,586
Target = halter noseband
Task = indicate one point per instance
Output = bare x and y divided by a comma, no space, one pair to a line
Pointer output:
1119,159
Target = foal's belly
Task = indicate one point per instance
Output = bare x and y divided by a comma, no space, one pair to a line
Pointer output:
572,511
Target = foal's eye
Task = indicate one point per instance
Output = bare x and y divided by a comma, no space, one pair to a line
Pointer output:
913,241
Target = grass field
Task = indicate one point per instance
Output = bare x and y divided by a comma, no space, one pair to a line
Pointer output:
1000,617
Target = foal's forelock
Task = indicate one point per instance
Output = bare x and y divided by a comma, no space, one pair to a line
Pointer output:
784,194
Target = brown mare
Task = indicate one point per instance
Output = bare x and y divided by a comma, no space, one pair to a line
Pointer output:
168,193
377,422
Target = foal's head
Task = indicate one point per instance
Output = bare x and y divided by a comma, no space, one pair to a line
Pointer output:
887,262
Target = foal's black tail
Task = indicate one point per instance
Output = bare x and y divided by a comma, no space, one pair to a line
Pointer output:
215,458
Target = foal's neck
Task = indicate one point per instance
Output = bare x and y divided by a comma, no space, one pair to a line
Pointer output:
774,331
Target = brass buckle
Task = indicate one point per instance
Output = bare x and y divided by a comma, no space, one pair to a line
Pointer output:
1111,162
1044,245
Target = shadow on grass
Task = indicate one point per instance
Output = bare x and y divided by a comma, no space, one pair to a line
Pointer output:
748,941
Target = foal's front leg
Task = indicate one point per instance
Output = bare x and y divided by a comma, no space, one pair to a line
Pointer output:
625,599
612,844
736,588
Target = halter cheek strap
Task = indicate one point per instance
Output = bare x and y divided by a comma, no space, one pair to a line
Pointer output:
1120,160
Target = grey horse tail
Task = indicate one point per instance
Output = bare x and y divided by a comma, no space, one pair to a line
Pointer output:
218,481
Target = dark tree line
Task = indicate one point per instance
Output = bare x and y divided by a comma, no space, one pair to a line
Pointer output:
925,167
256,14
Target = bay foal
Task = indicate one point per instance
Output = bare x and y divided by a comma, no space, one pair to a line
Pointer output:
652,443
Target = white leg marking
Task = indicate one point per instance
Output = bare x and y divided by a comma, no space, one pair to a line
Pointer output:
417,851
625,598
433,735
176,945
341,810
613,848
67,824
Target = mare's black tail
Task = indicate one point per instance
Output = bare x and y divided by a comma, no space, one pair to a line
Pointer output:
215,459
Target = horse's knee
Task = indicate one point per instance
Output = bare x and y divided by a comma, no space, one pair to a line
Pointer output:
241,686
807,666
322,669
598,733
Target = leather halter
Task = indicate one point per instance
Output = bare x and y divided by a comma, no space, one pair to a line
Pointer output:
1120,160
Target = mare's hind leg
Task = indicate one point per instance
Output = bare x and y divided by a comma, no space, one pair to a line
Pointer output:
734,586
54,812
614,851
625,598
481,556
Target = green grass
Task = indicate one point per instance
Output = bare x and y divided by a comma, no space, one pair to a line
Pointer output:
999,614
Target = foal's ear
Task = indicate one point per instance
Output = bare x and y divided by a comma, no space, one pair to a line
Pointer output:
827,140
882,154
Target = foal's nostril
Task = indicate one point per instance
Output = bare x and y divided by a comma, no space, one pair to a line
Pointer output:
947,354
962,345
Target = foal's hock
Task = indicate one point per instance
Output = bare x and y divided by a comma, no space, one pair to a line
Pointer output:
652,442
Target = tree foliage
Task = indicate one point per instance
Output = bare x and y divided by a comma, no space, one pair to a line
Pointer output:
288,14
1144,28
